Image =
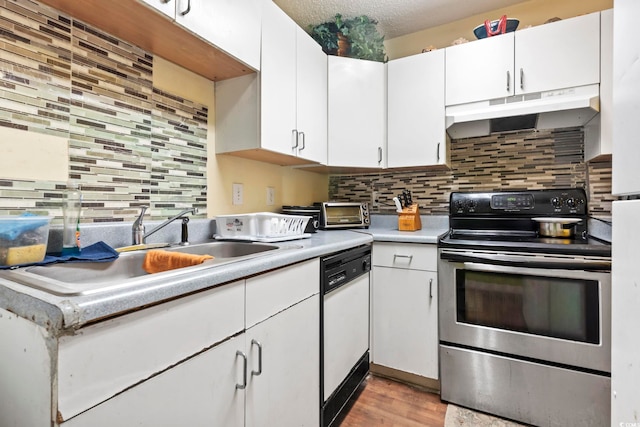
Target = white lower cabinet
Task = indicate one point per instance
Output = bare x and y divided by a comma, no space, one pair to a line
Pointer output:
245,353
405,308
279,387
283,349
283,390
199,392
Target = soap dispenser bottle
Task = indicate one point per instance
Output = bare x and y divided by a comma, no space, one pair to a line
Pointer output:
71,209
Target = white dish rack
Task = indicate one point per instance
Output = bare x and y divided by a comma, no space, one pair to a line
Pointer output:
261,227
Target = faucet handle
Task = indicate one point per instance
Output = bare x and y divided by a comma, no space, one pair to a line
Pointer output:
143,209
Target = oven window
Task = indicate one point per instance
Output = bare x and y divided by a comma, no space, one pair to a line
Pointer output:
548,306
343,215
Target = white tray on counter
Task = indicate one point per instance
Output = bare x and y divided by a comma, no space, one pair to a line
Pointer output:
261,225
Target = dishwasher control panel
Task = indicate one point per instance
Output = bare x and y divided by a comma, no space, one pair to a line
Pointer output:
342,267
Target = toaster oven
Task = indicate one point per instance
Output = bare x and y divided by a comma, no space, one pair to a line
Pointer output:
335,215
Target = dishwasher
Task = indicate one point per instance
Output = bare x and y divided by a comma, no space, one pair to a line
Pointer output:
344,334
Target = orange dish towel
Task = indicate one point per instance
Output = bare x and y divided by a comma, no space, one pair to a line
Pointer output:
156,261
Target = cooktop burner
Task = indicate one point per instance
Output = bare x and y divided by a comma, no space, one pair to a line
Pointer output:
505,221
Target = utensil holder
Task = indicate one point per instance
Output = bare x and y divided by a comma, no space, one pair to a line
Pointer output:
409,219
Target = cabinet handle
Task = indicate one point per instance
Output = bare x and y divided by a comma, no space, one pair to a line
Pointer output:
188,9
438,153
430,288
244,371
409,257
521,79
508,81
259,371
294,139
379,155
303,141
165,1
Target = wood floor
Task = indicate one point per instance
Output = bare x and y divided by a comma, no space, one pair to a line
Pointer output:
384,402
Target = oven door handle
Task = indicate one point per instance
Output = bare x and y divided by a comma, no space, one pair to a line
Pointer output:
527,261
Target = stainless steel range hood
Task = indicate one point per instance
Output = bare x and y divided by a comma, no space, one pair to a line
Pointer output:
542,110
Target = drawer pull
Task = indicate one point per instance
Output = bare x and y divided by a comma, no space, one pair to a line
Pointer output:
259,371
244,371
408,257
188,9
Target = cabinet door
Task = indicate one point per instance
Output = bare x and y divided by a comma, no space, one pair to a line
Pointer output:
598,133
480,70
287,390
106,358
626,85
231,25
558,55
166,7
416,128
199,392
357,113
278,81
311,98
405,320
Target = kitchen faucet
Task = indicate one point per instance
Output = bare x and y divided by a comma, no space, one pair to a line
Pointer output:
139,235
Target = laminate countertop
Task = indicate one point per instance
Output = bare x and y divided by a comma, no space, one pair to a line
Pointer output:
61,312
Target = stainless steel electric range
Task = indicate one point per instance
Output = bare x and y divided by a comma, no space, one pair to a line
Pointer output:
524,318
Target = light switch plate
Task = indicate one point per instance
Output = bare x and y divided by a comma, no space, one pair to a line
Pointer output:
237,193
271,196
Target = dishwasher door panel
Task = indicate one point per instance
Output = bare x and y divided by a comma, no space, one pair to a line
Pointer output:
346,330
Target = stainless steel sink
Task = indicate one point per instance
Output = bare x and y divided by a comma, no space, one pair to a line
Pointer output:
83,278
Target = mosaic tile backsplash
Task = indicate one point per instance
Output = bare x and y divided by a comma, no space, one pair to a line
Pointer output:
512,161
130,144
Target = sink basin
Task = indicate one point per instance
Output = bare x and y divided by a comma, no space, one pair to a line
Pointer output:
83,278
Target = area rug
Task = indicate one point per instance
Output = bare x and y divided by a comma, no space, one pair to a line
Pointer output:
458,416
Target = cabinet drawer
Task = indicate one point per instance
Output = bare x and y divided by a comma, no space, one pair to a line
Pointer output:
413,256
105,359
273,292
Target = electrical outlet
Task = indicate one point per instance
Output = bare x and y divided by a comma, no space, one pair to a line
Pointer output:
237,193
271,196
374,199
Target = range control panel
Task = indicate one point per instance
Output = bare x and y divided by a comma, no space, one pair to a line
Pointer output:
520,203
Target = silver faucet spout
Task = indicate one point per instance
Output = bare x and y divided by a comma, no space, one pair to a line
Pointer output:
139,234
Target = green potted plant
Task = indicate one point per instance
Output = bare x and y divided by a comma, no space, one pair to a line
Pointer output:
354,37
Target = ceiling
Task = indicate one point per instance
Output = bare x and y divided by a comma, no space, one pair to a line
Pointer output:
395,17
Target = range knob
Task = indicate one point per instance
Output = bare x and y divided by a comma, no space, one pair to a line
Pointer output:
571,202
472,204
459,205
556,202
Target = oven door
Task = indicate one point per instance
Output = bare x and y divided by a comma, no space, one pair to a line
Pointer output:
544,308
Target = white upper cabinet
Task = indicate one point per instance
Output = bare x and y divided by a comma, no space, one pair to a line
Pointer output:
279,116
278,81
480,70
626,86
416,116
552,56
357,113
311,98
294,89
230,25
558,55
